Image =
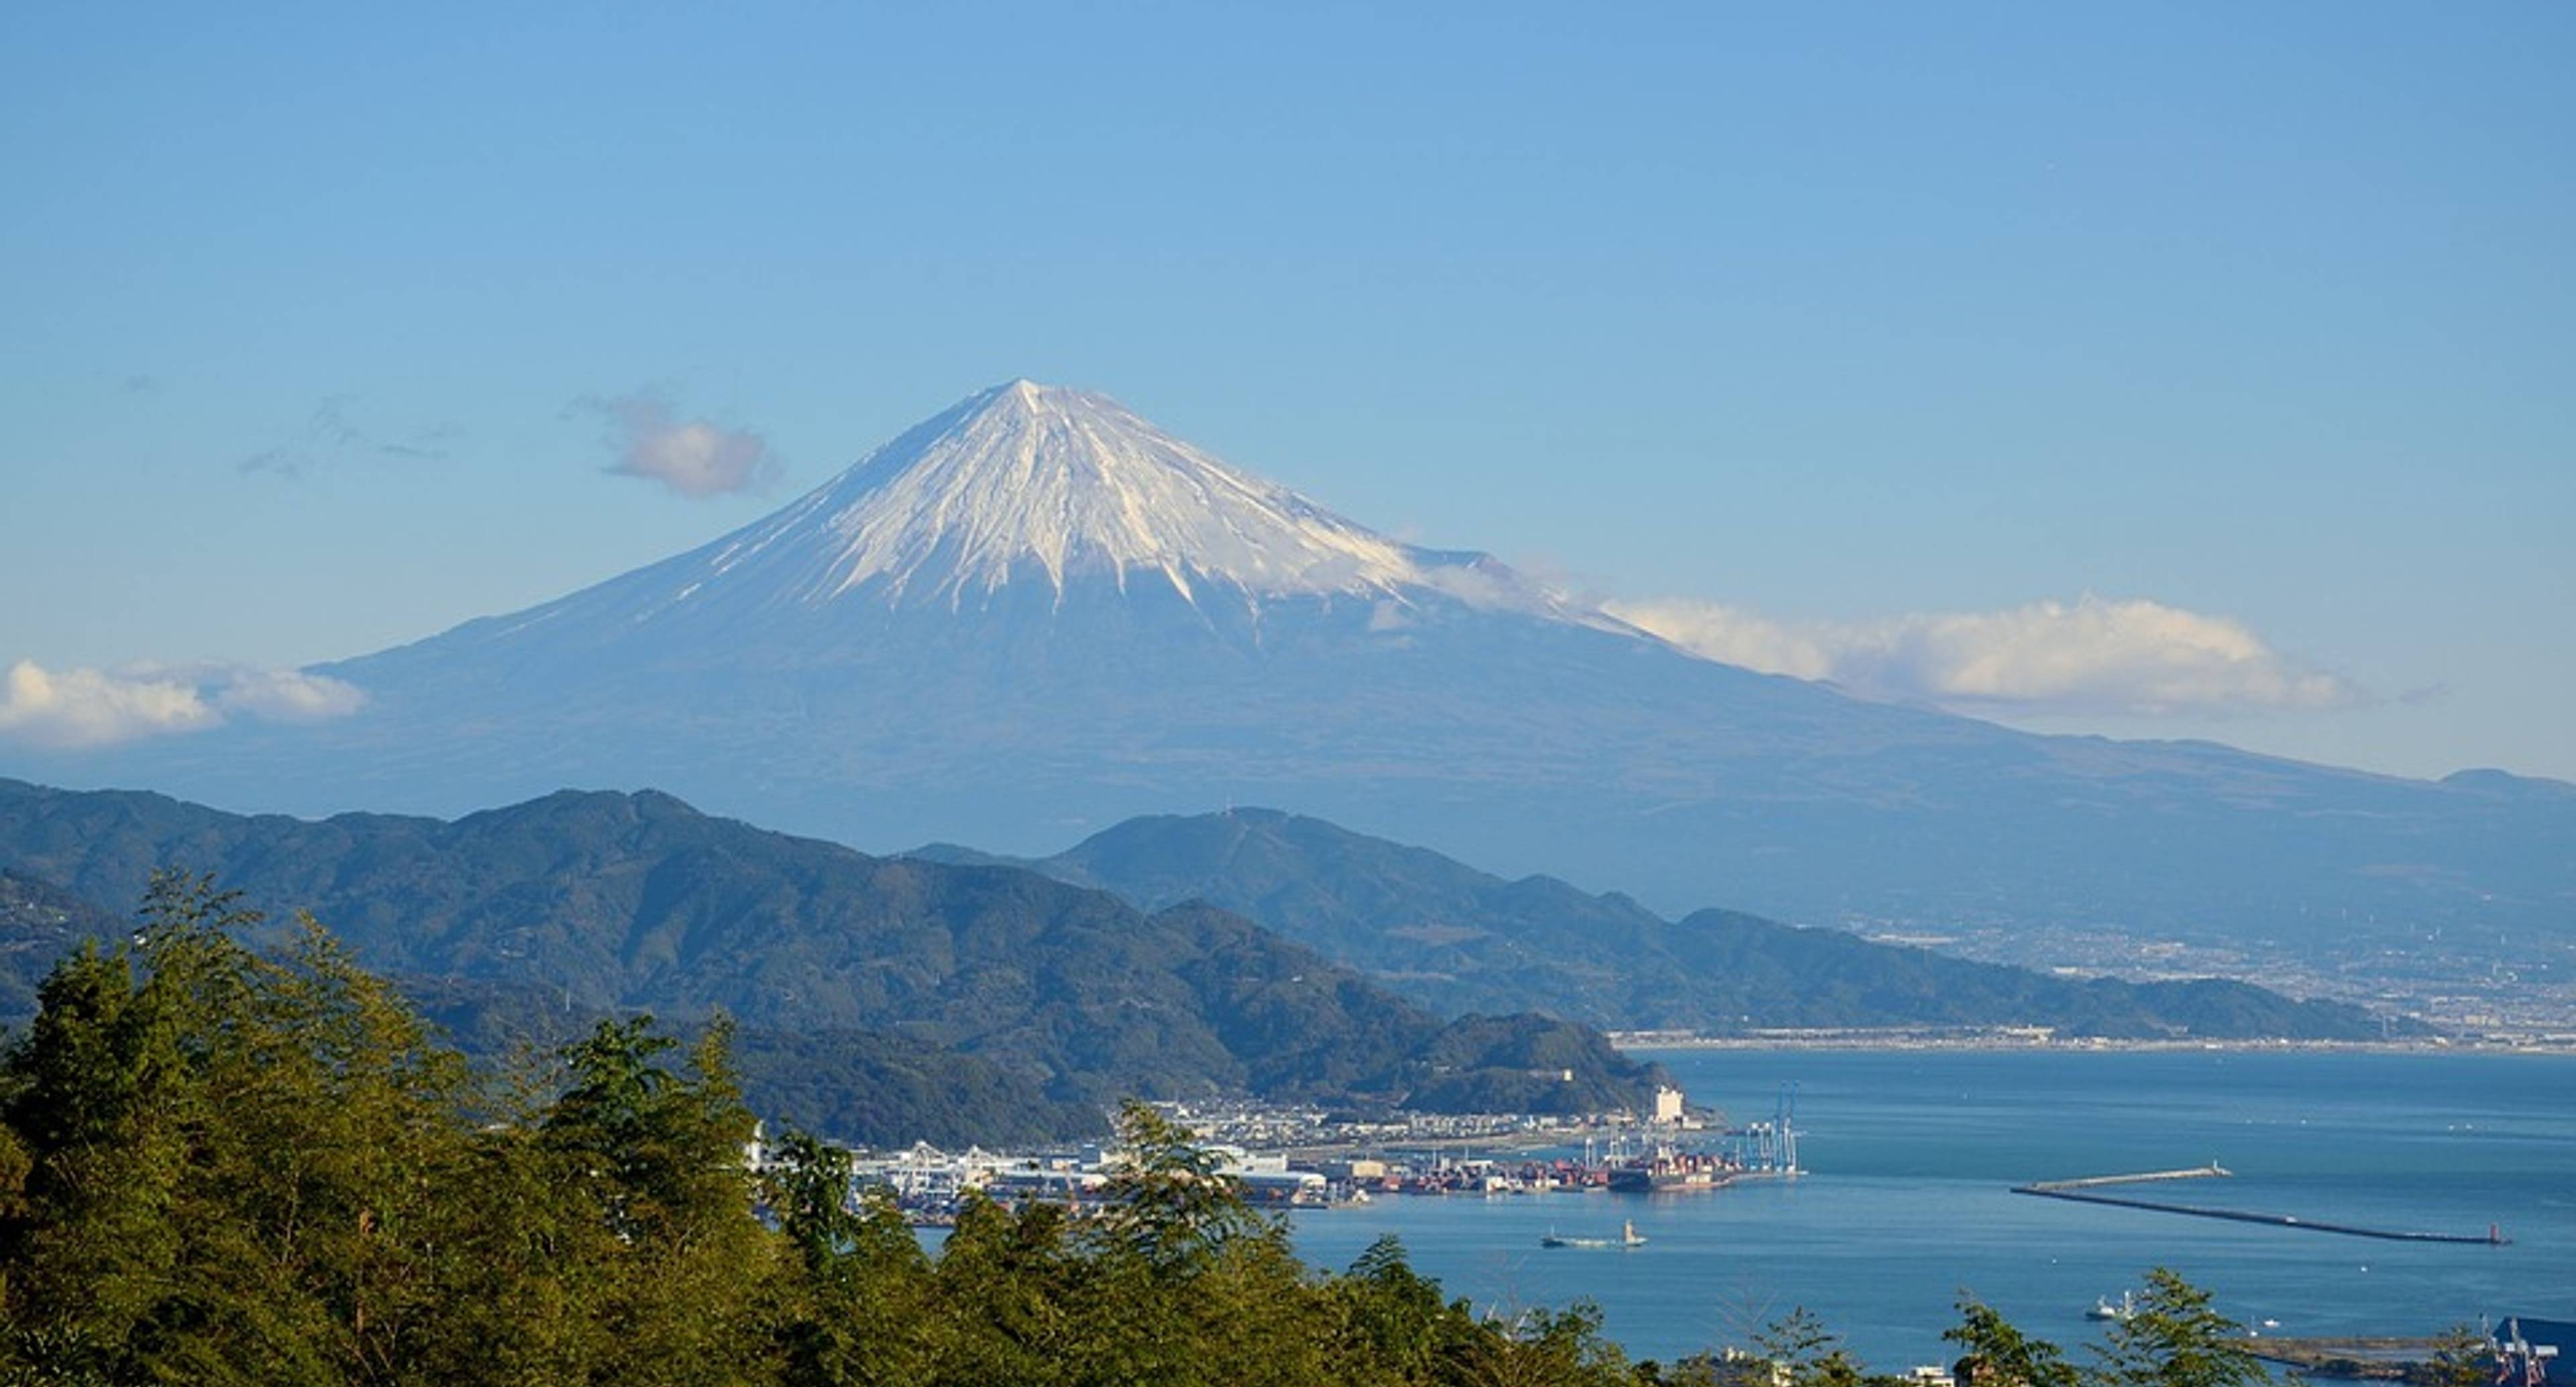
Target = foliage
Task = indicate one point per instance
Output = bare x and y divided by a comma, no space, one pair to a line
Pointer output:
1811,1354
228,1161
1995,1354
2462,1357
1524,1063
2176,1339
1170,1202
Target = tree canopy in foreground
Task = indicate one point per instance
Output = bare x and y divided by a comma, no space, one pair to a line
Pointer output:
223,1167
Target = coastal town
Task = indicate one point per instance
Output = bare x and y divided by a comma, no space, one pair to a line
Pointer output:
1308,1157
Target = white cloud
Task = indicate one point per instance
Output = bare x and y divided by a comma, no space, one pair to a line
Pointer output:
75,708
1732,635
287,695
2091,655
83,707
691,456
1477,585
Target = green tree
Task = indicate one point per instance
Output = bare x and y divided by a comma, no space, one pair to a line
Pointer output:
2462,1357
1011,1286
1183,1282
808,1188
92,1101
1170,1200
329,1129
1398,1327
1551,1348
2176,1339
861,1311
529,1268
1810,1354
229,1160
658,1157
1995,1354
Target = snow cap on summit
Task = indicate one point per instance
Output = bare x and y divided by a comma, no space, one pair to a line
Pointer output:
1033,479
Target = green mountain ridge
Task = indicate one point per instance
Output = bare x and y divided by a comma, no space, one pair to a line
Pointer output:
1457,939
605,903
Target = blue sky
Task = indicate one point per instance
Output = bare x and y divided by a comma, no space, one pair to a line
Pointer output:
1843,337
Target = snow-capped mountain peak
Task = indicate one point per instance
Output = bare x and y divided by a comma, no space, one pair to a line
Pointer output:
1022,492
1027,482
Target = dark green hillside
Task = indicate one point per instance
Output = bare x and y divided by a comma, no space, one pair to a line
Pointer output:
883,1090
1457,939
38,924
1524,1063
586,904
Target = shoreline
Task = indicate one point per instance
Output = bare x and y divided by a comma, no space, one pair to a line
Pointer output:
2374,1358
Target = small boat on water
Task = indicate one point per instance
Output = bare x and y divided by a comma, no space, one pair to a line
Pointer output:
2121,1313
1628,1237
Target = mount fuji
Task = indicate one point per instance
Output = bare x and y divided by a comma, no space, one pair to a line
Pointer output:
1036,614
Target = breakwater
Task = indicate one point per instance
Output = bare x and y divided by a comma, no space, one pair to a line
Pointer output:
2211,1171
2087,1191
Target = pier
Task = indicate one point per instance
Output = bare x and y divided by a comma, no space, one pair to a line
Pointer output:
2087,1191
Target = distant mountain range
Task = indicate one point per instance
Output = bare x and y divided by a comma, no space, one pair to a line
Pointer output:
869,989
1456,939
958,997
1036,615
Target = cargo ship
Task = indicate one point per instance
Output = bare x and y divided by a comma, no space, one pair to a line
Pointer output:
1668,1171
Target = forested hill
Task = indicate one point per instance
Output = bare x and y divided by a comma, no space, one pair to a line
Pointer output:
39,922
598,902
1455,938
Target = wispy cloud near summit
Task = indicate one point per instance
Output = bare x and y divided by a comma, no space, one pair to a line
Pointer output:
2092,655
331,436
694,457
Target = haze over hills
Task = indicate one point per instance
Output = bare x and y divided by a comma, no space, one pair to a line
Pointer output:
1035,614
1457,939
847,969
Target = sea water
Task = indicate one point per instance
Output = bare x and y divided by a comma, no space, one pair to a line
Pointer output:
1906,1205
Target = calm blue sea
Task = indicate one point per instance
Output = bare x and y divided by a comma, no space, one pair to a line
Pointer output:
1906,1205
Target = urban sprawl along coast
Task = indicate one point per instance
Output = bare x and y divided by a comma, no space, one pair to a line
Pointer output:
1310,1157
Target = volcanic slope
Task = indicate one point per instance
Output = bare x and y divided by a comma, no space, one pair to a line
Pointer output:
1036,615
